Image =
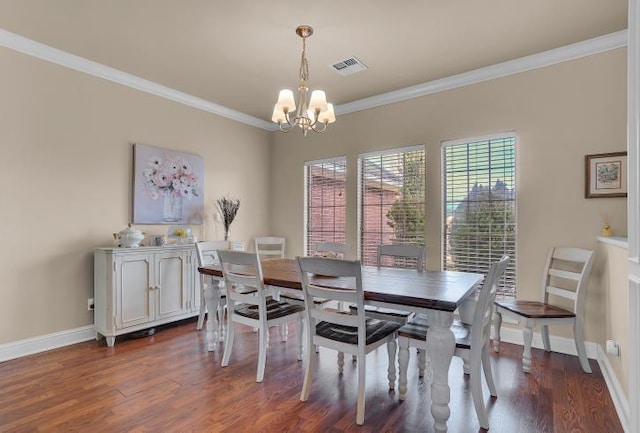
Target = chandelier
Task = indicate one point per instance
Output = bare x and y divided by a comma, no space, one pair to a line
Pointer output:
312,113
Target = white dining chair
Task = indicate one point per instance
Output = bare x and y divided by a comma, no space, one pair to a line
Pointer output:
472,342
206,251
243,273
565,276
402,256
333,329
270,247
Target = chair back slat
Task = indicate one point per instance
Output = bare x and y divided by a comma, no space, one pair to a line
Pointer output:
577,255
557,291
414,252
567,275
270,246
333,316
344,295
332,250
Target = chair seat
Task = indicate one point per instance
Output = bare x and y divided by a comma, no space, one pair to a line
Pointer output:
417,329
380,310
275,309
535,310
376,330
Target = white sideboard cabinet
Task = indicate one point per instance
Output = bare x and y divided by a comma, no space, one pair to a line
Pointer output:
138,288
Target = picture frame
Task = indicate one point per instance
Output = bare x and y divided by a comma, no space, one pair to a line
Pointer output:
168,186
606,175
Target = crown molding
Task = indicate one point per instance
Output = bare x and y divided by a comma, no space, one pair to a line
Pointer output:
540,60
62,58
589,47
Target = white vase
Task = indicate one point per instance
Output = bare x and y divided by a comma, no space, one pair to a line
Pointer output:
172,208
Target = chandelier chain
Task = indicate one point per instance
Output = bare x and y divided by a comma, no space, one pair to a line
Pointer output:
304,64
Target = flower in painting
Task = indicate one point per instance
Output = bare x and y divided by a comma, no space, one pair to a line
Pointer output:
170,176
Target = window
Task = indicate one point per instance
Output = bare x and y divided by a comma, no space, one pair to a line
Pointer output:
391,199
479,182
325,202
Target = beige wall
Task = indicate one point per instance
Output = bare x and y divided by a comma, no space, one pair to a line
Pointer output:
66,182
559,113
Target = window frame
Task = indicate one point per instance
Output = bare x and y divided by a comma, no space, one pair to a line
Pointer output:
305,176
443,212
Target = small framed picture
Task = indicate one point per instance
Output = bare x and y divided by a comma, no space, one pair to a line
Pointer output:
605,175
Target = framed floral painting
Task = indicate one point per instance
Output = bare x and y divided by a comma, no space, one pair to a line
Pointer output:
167,186
606,175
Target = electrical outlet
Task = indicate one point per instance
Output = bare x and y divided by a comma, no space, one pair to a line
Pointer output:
90,304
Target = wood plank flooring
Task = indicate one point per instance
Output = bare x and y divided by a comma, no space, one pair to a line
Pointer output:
170,383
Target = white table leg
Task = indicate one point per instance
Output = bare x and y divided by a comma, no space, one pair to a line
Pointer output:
441,344
212,299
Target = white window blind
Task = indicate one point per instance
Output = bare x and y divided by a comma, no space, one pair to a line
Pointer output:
325,198
479,180
391,200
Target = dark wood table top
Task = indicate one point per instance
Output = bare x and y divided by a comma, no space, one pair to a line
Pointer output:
438,290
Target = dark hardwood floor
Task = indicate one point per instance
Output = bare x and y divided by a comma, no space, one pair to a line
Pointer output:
170,383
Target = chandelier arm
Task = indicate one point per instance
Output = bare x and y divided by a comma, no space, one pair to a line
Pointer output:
324,126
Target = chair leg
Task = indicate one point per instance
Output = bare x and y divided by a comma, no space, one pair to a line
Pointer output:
309,366
488,374
228,344
403,364
476,391
299,327
544,332
526,355
203,311
262,352
422,362
340,362
221,325
362,363
391,372
466,367
497,323
578,336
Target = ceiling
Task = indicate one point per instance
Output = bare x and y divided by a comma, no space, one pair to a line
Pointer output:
240,53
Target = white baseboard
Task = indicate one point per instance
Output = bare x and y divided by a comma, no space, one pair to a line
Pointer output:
42,343
620,400
558,344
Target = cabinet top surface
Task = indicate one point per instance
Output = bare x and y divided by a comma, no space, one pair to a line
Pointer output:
145,249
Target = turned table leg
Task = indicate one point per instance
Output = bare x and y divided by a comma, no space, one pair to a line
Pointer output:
440,347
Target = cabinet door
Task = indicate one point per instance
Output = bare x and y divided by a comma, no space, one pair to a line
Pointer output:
134,290
172,283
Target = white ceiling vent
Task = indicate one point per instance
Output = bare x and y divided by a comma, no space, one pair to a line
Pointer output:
349,66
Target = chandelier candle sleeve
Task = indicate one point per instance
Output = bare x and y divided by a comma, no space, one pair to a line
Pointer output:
313,113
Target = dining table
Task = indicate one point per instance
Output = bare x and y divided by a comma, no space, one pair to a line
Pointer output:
437,294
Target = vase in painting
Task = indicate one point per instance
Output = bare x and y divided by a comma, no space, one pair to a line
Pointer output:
172,208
